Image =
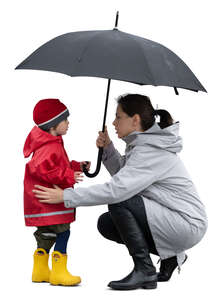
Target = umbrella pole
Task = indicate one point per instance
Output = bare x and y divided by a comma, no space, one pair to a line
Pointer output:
100,152
106,105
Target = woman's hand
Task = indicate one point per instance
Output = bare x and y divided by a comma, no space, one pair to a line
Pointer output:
49,195
103,139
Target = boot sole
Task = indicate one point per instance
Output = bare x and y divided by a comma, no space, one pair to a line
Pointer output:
42,281
150,286
63,284
147,286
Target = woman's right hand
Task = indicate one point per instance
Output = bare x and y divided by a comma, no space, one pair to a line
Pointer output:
103,139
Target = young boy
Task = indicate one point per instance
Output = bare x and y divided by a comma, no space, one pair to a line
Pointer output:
50,165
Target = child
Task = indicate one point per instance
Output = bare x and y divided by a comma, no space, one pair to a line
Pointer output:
50,166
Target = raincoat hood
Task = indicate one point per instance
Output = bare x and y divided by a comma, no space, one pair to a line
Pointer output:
36,139
167,138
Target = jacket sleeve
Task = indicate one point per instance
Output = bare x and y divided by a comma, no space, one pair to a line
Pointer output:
131,180
75,165
51,171
112,159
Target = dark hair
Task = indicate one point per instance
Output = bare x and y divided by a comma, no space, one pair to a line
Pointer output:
48,130
133,104
55,126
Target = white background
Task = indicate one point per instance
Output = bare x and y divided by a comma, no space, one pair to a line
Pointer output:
189,28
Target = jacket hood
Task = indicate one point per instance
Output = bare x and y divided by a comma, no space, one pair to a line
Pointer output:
167,138
37,138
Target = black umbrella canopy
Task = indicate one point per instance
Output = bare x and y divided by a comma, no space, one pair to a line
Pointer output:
113,54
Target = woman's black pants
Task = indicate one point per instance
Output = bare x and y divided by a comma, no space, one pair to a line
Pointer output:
136,207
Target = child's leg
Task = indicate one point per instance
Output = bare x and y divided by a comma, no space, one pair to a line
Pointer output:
61,241
59,273
45,237
62,236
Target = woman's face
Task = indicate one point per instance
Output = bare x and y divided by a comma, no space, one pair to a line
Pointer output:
123,123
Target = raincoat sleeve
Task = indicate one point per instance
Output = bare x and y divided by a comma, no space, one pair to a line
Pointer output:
52,170
131,180
112,159
75,165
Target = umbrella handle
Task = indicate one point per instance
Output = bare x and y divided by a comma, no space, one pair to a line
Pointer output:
99,159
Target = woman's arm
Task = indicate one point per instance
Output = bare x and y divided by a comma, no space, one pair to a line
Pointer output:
112,159
132,179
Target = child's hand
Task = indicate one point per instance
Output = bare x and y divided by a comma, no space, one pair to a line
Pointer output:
103,139
86,163
78,176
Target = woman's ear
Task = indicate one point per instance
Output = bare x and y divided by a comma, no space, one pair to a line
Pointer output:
136,121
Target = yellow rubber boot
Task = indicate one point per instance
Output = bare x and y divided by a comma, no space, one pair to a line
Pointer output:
59,274
40,272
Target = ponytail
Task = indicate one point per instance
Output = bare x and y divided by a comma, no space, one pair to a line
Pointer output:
165,118
133,104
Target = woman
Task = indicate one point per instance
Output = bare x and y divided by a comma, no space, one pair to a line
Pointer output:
153,204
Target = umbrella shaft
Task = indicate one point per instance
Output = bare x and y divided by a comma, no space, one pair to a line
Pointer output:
106,105
100,152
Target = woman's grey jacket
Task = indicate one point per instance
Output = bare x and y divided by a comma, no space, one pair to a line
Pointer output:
152,169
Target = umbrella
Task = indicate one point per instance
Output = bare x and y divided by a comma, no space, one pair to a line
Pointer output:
113,54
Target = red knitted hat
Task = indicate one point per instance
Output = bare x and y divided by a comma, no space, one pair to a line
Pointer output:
49,112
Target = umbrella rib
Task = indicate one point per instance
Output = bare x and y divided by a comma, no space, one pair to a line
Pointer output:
153,80
87,44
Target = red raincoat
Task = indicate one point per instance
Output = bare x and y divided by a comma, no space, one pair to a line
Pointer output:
49,165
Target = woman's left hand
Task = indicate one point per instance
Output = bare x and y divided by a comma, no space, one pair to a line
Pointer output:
49,195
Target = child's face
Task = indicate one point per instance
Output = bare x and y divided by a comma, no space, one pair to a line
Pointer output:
62,127
123,123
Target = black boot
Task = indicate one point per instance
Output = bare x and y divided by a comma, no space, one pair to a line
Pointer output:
144,273
167,267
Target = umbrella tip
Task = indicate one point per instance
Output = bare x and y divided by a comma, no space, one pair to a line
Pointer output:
117,18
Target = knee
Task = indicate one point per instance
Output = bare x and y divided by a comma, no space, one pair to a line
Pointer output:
101,223
106,227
